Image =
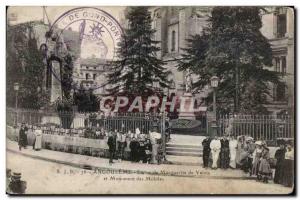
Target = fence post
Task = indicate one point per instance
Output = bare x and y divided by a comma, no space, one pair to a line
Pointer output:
163,134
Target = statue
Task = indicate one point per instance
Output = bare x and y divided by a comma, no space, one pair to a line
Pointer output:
188,81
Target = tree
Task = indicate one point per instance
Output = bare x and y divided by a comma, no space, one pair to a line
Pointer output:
233,48
137,67
86,100
25,66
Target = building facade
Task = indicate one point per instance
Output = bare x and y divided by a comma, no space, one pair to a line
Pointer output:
91,74
174,25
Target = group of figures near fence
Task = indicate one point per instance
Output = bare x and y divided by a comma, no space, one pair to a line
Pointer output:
143,147
23,138
241,152
251,156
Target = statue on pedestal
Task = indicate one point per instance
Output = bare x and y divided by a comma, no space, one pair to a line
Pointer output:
188,82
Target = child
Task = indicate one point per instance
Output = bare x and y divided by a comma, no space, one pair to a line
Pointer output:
264,167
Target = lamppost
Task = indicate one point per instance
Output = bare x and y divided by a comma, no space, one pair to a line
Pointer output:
16,89
214,81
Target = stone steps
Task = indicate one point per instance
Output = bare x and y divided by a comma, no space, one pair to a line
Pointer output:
185,160
184,150
181,153
172,149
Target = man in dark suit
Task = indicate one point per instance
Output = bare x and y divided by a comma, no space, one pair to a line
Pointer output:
112,144
23,136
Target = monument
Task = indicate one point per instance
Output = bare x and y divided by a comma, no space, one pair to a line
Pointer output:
187,100
53,72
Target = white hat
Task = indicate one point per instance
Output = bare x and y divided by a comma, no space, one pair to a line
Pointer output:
258,142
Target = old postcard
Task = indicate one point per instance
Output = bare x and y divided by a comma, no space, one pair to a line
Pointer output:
150,100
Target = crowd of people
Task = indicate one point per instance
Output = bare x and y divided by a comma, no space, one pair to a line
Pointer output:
225,152
251,156
145,148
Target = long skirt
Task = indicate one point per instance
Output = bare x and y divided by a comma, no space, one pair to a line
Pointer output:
279,172
154,153
232,162
238,154
288,174
121,147
215,157
23,142
246,165
265,169
31,138
224,158
38,142
255,167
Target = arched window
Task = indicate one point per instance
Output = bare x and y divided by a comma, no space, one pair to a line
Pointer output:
173,41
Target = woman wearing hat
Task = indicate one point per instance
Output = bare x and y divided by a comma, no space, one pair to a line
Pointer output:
38,138
288,174
279,155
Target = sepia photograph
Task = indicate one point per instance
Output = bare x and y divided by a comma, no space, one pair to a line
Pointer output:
150,100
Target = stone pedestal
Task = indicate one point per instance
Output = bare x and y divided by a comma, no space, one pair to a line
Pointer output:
186,110
56,90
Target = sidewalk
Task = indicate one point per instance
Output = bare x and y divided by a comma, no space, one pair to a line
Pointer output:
95,163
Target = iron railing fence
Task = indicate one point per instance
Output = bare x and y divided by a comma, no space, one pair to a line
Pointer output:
260,127
115,121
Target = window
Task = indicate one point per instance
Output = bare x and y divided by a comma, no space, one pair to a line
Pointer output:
281,24
87,67
94,76
87,76
280,64
173,41
277,64
279,92
283,65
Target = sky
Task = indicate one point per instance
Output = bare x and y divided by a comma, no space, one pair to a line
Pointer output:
32,13
89,48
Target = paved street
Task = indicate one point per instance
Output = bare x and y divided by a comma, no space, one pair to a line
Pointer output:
52,178
81,161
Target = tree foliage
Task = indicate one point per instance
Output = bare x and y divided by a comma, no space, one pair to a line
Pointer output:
86,100
137,67
24,66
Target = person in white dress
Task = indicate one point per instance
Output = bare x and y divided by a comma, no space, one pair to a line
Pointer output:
215,147
38,138
137,132
232,150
